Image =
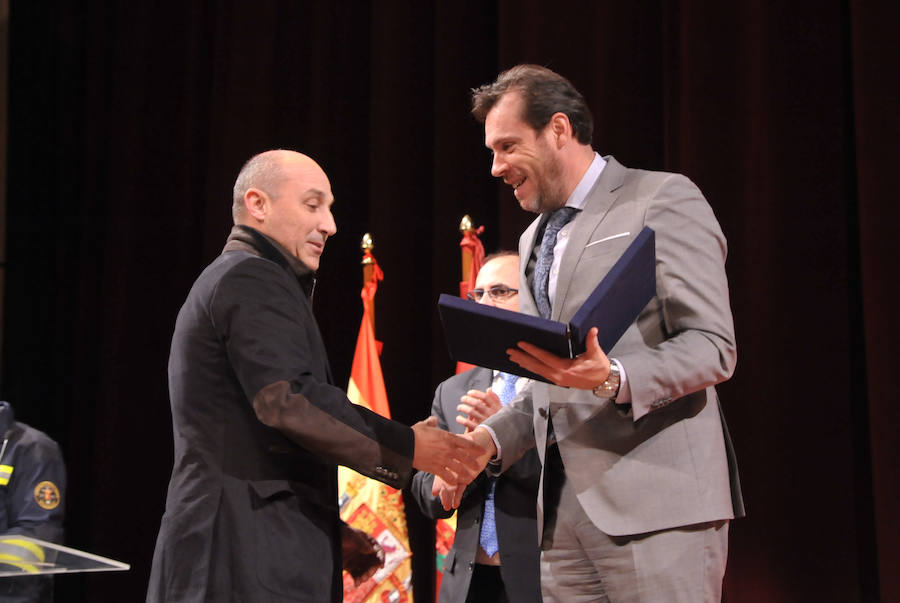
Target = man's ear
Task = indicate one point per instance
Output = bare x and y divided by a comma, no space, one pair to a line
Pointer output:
560,128
256,203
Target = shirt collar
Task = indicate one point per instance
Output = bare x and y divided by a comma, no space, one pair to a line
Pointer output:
587,182
246,238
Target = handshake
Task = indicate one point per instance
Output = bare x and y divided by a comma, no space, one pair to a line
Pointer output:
455,460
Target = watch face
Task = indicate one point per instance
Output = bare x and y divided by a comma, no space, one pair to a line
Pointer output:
607,390
610,387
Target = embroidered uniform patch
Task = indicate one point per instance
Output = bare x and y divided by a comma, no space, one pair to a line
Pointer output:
46,495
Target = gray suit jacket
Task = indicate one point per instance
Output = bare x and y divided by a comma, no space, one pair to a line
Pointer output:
663,460
514,508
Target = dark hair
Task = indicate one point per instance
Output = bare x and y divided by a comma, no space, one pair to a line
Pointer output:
545,92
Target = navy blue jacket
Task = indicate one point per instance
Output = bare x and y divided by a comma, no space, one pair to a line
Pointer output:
32,491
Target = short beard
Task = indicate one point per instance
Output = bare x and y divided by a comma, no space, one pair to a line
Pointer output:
551,195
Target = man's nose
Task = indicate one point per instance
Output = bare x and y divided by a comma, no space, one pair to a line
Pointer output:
486,299
498,167
328,226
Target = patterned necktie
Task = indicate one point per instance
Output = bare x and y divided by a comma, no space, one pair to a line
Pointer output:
488,536
540,283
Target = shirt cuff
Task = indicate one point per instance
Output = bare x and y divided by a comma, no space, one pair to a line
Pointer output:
495,459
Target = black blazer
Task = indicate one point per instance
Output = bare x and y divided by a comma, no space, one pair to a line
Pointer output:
514,505
259,428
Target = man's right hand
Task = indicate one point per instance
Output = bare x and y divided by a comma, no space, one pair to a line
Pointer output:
451,457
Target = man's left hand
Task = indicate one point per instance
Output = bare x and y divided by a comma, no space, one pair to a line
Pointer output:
585,371
476,406
363,556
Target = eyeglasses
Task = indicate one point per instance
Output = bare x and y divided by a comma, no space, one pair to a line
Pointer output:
496,293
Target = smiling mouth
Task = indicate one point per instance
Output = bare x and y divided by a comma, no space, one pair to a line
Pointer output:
516,185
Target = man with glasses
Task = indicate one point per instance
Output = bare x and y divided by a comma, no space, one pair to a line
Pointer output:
495,556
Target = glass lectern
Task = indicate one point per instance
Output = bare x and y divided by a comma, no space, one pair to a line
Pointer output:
26,556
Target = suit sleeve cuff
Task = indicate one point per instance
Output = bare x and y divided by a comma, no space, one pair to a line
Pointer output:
493,468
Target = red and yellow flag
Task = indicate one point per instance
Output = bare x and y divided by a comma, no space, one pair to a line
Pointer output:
367,504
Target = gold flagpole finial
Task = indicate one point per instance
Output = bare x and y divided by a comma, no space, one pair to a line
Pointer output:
368,268
367,245
465,225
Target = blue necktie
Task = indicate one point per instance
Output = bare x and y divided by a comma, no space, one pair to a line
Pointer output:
541,280
488,537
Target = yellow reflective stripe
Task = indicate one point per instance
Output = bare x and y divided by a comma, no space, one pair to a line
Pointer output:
29,546
5,473
12,560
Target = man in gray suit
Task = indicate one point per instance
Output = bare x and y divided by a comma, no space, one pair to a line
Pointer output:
639,480
495,557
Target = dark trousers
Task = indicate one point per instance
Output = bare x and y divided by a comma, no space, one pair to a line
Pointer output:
486,585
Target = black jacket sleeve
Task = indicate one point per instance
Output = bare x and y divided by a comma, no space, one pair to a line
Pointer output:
279,359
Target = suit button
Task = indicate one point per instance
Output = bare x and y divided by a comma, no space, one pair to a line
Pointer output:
543,412
661,402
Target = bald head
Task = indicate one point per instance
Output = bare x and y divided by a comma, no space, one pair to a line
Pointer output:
287,196
266,172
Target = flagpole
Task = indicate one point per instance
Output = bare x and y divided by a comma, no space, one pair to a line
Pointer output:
466,227
472,258
368,266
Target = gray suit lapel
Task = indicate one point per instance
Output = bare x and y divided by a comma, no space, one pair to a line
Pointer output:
479,378
527,244
597,204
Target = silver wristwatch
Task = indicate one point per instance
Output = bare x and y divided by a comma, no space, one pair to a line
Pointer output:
610,387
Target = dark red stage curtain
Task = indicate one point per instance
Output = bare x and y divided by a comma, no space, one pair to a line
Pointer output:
129,121
874,52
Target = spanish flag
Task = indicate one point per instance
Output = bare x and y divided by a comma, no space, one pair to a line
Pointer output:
367,504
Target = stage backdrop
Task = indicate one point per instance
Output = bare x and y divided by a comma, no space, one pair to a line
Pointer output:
129,121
